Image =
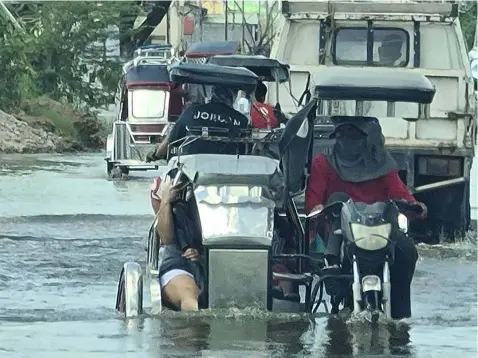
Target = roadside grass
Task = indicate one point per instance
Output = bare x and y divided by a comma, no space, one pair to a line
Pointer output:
57,118
60,116
87,129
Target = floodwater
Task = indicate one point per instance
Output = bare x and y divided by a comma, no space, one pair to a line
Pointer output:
66,231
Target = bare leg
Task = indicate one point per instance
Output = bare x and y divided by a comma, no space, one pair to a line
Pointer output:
182,292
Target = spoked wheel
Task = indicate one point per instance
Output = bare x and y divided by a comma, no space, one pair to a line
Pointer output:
109,167
120,294
116,173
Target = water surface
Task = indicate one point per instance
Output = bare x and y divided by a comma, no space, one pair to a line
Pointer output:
66,231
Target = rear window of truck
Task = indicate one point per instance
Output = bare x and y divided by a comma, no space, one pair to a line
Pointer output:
389,47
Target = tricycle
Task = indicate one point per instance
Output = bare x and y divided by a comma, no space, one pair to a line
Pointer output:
240,201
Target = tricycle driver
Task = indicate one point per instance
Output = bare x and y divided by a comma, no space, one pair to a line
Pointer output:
361,169
218,113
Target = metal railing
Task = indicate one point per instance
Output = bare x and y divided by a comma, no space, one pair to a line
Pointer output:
126,145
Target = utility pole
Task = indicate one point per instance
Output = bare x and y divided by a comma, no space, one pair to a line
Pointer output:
201,20
225,19
243,34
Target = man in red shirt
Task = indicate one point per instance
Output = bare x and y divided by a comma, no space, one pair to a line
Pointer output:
360,168
262,114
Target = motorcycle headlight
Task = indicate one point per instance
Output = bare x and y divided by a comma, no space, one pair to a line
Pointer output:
371,237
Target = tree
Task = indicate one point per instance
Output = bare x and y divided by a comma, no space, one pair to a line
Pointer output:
468,22
65,52
158,11
267,14
15,69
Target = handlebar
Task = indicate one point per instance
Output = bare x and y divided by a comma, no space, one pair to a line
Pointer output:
332,208
224,135
336,207
231,134
404,206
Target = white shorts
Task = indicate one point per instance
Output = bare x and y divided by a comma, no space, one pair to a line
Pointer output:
168,276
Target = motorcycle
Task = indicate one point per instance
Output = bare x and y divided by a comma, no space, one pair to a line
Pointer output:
369,236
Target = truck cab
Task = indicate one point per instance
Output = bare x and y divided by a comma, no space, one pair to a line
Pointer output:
434,154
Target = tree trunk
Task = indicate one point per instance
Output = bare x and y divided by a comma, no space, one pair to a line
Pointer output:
144,31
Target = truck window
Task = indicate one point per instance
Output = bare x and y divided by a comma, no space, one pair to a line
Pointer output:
390,47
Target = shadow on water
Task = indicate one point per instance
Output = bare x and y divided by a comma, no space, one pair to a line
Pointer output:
223,337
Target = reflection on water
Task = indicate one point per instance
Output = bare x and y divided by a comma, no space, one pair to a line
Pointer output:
65,232
323,337
333,337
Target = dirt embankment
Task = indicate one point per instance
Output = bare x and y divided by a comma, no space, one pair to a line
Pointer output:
43,125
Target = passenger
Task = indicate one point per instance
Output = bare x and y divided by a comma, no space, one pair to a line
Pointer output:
360,168
262,114
181,274
218,113
390,51
281,289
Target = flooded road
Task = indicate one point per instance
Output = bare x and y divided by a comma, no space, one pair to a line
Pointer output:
66,231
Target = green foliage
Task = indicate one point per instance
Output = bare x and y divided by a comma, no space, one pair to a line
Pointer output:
62,52
468,23
15,70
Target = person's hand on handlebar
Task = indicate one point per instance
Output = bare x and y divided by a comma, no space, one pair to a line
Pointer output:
424,212
159,152
411,208
319,207
151,157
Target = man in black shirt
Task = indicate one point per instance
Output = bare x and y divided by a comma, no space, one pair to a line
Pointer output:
218,113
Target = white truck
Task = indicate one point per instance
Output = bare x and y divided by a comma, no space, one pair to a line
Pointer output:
434,155
474,168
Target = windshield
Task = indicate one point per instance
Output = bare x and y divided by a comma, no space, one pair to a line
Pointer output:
147,103
390,47
234,211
